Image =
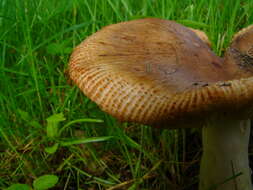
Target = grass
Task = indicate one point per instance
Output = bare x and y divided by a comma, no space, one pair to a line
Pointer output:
36,39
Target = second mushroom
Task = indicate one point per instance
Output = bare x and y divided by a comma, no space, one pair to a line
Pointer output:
163,74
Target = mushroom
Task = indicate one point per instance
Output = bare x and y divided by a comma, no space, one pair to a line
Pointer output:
163,74
202,36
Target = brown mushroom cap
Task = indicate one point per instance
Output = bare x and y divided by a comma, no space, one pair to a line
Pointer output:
156,72
240,52
202,36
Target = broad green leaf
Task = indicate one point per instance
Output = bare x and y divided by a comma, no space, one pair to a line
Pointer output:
84,120
58,48
34,123
85,140
56,117
45,182
52,124
24,115
52,149
67,50
19,186
54,48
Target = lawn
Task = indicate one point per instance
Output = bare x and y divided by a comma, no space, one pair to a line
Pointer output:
47,126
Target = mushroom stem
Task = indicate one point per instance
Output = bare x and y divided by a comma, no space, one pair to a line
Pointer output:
225,163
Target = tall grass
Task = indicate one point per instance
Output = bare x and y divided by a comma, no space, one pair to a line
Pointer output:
36,39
